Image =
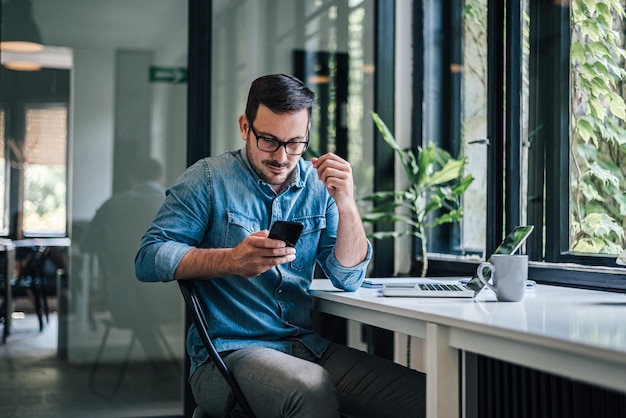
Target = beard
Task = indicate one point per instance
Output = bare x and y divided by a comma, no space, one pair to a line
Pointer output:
257,166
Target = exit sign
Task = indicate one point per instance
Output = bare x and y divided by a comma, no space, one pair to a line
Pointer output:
173,75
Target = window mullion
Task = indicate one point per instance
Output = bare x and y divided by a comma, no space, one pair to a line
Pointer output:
552,105
513,154
495,124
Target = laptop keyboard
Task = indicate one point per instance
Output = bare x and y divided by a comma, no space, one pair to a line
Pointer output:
441,286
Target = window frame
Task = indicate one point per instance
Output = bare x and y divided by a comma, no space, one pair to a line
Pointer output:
5,224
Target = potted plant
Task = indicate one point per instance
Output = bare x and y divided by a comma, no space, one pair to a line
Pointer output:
436,183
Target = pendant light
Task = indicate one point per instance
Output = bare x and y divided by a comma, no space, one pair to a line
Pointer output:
19,30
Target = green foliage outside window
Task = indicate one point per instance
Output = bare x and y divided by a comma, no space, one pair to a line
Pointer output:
598,116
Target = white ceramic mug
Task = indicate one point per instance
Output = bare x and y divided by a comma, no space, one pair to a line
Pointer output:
509,273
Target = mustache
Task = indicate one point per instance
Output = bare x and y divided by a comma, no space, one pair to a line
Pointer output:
274,163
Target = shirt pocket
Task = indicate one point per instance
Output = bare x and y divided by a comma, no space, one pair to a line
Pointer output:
306,247
238,227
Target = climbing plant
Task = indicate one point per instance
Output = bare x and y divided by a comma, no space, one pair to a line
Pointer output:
598,116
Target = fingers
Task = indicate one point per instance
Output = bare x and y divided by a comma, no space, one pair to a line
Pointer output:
331,168
256,254
335,173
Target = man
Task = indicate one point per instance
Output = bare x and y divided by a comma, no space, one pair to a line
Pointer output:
214,226
114,235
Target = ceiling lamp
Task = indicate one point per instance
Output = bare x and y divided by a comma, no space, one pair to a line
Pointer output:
19,30
22,66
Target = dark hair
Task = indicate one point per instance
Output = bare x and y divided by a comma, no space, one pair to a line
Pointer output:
281,93
146,169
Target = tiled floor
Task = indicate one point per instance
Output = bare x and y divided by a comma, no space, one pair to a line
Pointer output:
35,382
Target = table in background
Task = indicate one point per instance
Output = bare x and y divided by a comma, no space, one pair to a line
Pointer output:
576,333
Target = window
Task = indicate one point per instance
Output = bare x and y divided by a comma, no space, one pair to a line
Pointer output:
542,121
44,159
598,128
35,137
578,118
455,111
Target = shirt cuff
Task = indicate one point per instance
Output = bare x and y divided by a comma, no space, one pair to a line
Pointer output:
348,278
168,258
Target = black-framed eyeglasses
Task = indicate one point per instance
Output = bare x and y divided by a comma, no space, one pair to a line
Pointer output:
268,144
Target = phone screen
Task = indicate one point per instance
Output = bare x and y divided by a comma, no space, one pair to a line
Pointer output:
509,245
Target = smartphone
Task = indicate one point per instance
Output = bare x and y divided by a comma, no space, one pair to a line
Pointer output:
286,231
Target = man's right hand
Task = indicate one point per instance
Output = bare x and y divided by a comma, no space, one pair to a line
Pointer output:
257,253
254,255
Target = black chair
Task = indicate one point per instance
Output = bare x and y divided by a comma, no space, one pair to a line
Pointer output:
31,281
194,307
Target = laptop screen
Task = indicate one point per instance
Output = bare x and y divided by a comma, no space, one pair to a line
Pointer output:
509,245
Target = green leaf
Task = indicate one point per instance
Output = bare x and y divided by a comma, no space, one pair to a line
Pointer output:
379,196
599,49
603,174
600,224
617,105
387,234
449,172
585,129
386,133
425,162
599,86
578,53
592,29
590,6
603,10
590,191
452,216
435,202
463,185
589,246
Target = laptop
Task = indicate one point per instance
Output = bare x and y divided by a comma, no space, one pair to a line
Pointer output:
448,287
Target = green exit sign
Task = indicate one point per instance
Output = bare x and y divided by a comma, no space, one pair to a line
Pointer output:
174,75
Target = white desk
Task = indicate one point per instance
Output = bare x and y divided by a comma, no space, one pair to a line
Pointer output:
575,333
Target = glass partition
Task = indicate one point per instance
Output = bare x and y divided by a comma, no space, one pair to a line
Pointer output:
328,44
125,96
80,116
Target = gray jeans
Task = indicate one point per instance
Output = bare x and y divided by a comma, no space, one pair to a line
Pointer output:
344,381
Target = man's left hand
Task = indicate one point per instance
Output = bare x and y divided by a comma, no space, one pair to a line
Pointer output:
336,174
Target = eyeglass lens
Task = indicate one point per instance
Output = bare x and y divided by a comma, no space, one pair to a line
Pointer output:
272,145
266,144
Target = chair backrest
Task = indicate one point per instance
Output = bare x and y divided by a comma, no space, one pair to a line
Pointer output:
194,307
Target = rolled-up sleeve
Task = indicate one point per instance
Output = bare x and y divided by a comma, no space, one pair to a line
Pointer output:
159,261
178,227
347,278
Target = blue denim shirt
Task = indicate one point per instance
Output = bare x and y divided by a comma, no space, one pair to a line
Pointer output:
216,203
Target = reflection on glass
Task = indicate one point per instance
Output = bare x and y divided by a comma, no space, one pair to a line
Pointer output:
67,153
3,167
330,46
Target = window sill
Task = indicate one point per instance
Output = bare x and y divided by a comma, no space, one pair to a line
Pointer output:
560,274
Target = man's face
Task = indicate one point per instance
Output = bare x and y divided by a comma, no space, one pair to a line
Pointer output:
274,167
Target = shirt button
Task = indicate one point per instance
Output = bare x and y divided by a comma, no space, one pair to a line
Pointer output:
280,290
